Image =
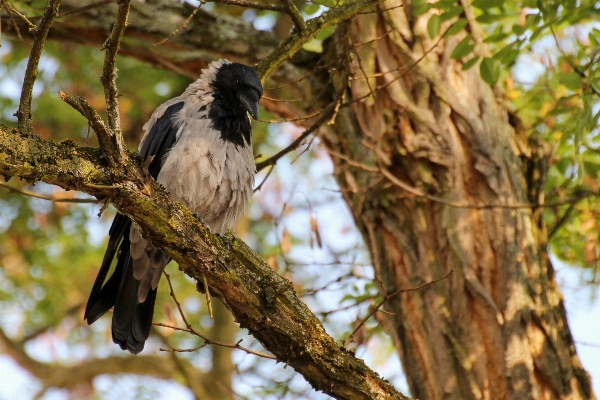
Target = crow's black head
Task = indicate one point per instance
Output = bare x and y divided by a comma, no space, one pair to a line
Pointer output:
236,92
237,87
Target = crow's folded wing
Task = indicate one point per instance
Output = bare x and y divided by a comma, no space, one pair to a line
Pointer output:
159,139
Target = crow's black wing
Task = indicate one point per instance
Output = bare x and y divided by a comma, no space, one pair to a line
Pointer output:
161,138
129,315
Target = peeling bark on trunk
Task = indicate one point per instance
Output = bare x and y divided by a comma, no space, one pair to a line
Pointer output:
497,328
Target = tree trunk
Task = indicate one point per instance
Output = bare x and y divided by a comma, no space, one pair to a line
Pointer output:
497,328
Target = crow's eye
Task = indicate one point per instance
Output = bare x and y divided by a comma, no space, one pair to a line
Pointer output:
237,82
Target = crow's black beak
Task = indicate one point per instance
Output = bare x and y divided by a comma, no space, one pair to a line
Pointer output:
249,99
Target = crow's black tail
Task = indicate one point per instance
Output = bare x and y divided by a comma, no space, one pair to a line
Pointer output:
103,296
131,321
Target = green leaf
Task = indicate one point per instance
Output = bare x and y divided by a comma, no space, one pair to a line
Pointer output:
311,9
563,164
445,4
453,12
518,29
508,53
571,80
433,25
496,38
463,48
456,27
532,20
591,168
489,69
469,64
422,9
325,33
485,4
487,18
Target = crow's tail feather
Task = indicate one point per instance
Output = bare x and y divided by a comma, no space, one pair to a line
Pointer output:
131,320
103,296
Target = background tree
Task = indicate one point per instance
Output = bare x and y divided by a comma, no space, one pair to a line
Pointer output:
450,165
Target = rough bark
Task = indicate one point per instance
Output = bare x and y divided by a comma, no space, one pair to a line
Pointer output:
259,299
497,329
206,37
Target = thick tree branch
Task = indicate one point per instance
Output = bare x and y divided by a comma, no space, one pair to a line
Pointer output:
60,376
207,36
313,26
260,300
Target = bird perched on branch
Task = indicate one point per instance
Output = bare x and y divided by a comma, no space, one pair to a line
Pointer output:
198,146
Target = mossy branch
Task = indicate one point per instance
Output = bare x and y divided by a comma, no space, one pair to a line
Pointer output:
310,30
261,301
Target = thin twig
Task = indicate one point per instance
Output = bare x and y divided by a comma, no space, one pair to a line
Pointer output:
208,341
191,330
360,66
40,32
378,306
83,9
109,73
313,26
105,139
408,69
9,7
293,12
44,197
325,115
172,294
373,40
176,31
251,4
207,293
571,63
264,180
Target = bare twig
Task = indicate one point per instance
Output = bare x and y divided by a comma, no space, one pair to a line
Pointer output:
40,32
190,329
313,26
8,9
296,16
176,31
252,4
208,341
172,294
577,70
105,138
360,66
109,73
407,69
44,197
207,293
325,115
11,10
378,306
83,9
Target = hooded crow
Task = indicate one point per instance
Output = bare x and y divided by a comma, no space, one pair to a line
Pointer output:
202,154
